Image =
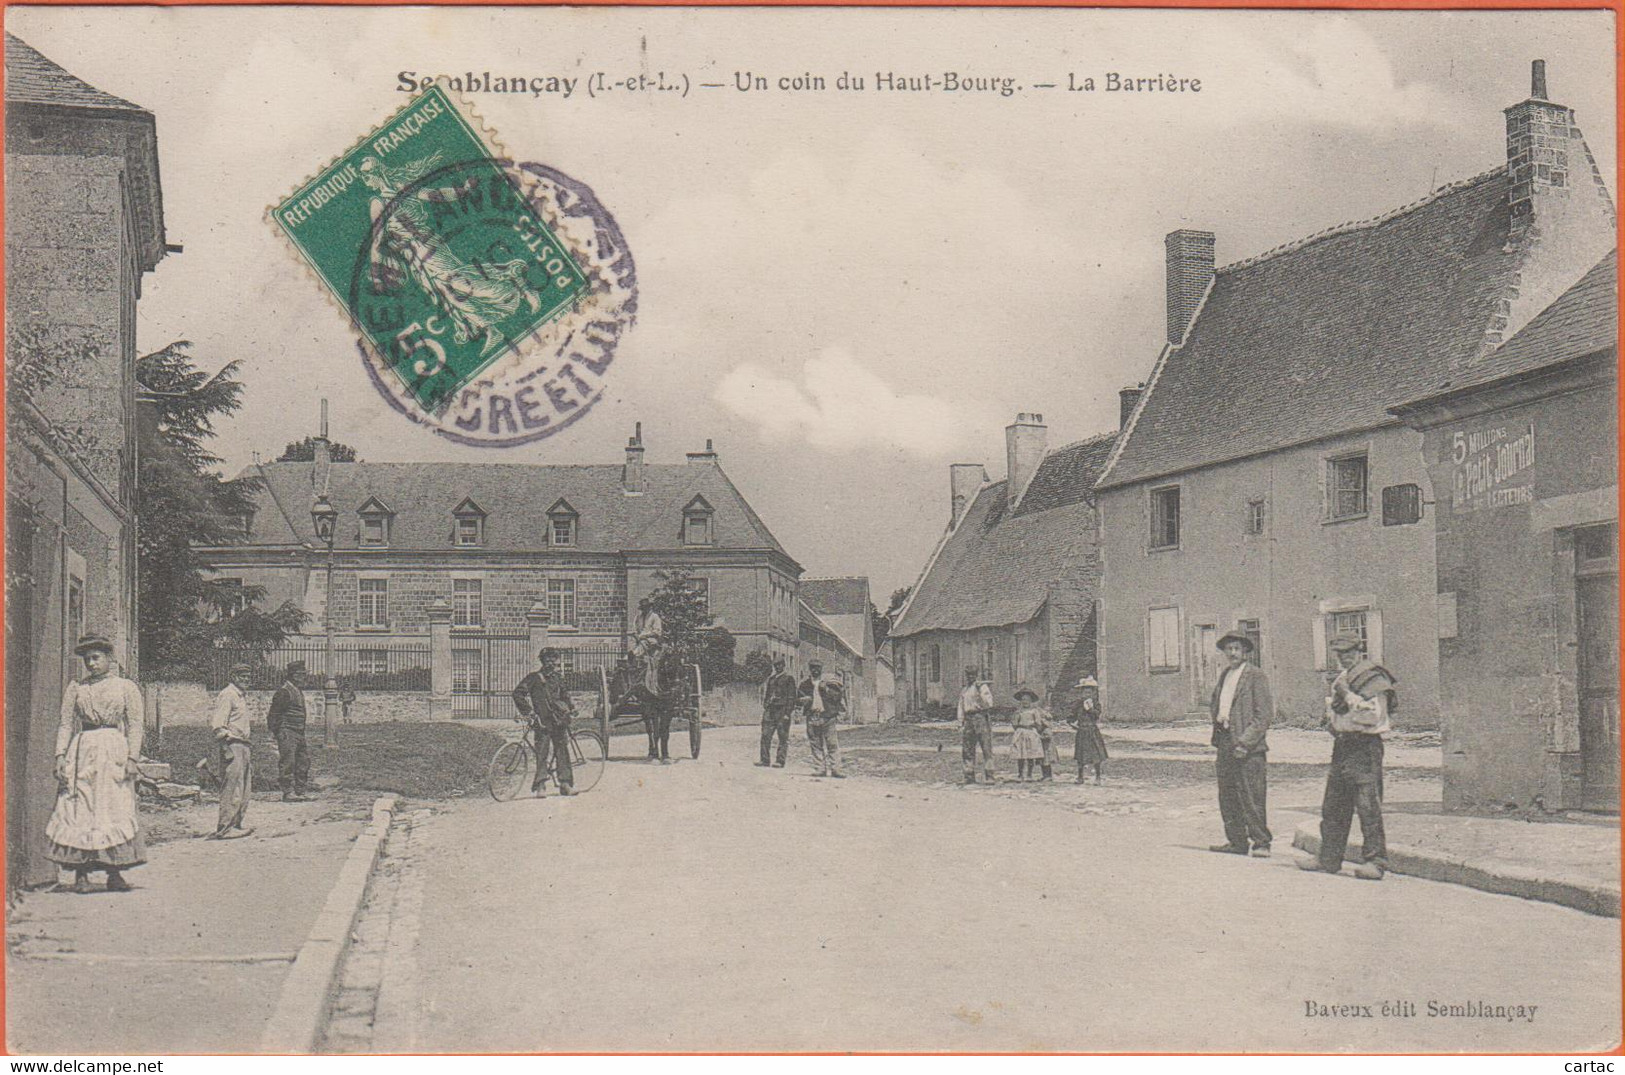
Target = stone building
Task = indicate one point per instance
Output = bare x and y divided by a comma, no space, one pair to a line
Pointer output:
1011,588
1522,450
1262,485
842,606
84,224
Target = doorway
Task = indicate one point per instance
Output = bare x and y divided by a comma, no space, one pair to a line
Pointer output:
1596,570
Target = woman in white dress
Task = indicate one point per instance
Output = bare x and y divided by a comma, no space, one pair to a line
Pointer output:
98,744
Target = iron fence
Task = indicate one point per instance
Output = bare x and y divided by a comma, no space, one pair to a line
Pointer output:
387,666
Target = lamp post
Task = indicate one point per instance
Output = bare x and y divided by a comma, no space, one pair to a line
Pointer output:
324,517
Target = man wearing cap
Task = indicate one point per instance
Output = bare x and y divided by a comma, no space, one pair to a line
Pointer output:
976,725
822,702
286,722
778,708
231,737
1242,709
1357,712
542,700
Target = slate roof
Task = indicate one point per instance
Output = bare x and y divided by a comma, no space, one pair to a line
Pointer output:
1582,321
33,79
996,568
516,497
1323,336
836,597
812,619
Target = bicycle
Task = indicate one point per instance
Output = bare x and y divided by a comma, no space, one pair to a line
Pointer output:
514,764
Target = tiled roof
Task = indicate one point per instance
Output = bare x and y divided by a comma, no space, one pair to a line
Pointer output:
515,497
996,569
1582,321
841,596
32,79
811,619
1322,337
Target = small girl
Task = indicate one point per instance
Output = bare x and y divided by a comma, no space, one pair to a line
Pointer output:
1031,722
1086,715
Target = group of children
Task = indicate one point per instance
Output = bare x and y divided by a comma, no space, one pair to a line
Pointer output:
1033,740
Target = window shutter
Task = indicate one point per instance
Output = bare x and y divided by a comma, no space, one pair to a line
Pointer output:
1319,626
1373,634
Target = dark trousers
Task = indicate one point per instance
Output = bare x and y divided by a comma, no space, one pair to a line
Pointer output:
292,759
1242,794
977,732
1354,785
552,741
779,725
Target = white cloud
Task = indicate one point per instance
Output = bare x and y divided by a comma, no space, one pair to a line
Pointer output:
842,405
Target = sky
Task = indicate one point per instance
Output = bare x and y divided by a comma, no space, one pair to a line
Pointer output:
845,291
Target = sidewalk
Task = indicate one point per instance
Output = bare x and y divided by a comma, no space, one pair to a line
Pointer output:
193,960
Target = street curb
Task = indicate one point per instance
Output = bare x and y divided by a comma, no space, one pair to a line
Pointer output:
1501,879
296,1025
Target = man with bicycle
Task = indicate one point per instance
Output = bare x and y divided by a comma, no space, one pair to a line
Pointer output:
545,705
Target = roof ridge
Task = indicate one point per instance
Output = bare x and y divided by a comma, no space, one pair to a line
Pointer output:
1359,225
1091,439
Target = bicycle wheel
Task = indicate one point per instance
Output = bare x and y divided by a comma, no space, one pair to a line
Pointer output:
586,759
510,769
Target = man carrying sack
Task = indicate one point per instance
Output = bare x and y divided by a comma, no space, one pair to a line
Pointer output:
1362,696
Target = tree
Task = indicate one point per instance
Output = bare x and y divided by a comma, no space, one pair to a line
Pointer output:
304,451
182,502
883,620
686,627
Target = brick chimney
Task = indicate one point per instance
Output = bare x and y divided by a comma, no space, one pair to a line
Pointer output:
963,481
1190,270
705,458
632,472
321,473
1127,400
1024,443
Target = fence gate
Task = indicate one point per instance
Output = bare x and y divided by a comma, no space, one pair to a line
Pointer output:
484,671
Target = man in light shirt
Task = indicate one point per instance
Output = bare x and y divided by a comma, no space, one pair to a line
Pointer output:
976,725
1357,714
231,737
1242,710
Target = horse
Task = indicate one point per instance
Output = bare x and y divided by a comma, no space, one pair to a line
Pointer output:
630,688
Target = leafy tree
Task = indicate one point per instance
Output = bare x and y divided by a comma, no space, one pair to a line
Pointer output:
304,451
183,502
687,629
883,620
757,667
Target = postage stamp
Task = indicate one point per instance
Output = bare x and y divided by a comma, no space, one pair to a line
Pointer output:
444,258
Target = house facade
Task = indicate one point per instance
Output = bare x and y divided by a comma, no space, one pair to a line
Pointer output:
1261,483
1522,451
1011,588
842,606
84,224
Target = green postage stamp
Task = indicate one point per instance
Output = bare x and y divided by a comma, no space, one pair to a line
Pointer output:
430,244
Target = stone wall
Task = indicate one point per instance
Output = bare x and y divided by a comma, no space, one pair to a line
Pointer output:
190,705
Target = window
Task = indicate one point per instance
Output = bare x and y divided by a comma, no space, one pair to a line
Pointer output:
564,530
1254,634
561,602
1346,487
990,656
1595,545
1165,518
468,524
76,608
467,600
701,587
468,531
1255,516
372,603
375,530
465,671
696,530
372,662
1401,505
936,664
1018,658
1346,623
1162,640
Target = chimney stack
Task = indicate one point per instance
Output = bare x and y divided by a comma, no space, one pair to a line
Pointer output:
1190,271
1543,149
632,472
1127,400
1537,80
1024,443
322,471
963,481
709,456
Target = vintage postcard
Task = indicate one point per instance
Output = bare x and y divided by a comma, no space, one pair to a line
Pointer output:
688,529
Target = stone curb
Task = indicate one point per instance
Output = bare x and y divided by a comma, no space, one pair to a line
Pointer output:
1500,878
296,1025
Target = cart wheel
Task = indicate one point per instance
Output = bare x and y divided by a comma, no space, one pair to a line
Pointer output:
694,733
510,770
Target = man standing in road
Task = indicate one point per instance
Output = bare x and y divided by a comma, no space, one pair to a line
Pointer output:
976,725
1357,714
231,737
286,722
822,702
1242,710
779,697
543,701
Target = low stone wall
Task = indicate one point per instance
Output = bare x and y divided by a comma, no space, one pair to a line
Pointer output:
183,704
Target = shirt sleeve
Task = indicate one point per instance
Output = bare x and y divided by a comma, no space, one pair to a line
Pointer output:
221,718
521,697
64,731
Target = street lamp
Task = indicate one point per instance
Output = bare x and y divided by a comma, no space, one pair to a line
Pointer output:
324,517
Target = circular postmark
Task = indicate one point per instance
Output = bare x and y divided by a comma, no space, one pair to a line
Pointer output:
501,291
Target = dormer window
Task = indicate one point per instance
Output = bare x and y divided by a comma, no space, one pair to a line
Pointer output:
375,520
697,523
468,525
561,528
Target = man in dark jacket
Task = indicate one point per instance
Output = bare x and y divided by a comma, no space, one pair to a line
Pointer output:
286,722
778,708
1242,710
542,700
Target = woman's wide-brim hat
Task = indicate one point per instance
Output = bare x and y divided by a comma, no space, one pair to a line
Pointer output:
1235,636
1088,681
91,644
1026,694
